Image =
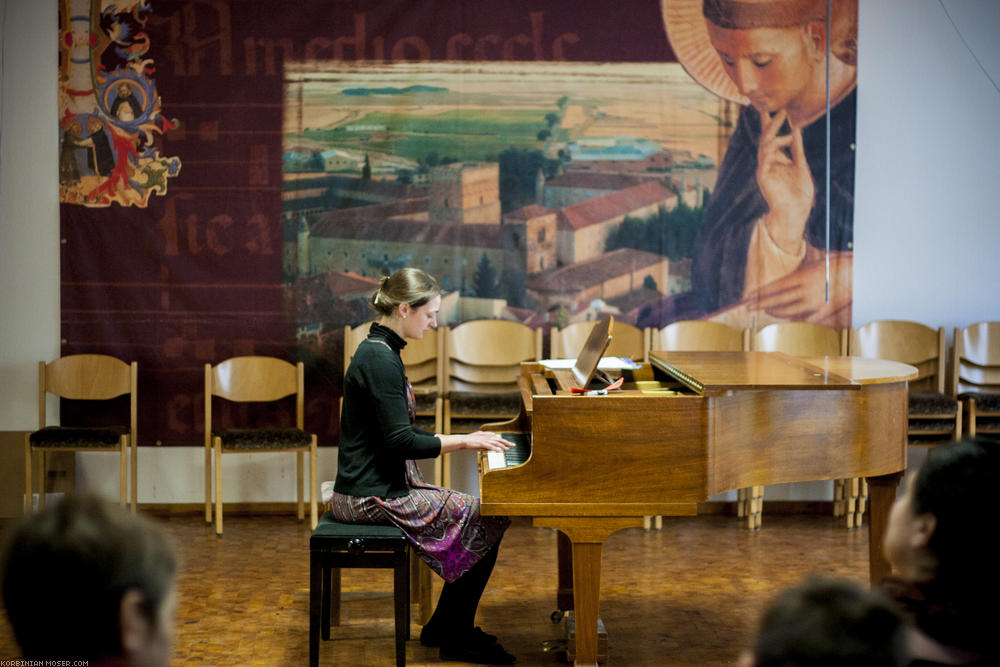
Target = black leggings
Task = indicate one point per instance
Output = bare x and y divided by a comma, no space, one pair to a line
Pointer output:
456,608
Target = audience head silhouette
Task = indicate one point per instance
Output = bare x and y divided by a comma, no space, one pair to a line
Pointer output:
826,622
940,550
85,580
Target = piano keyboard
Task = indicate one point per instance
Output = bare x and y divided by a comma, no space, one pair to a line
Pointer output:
514,456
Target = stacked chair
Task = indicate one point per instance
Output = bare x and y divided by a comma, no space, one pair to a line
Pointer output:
482,364
934,416
697,335
700,335
976,377
800,339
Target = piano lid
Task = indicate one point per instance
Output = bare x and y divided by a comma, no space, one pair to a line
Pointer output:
714,372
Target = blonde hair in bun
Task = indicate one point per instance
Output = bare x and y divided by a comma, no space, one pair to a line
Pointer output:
409,285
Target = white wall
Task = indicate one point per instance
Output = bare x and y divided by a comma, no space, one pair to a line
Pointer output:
926,234
29,208
927,210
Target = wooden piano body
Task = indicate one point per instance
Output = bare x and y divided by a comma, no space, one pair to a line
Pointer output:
694,425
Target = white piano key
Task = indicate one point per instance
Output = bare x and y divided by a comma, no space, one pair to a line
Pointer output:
495,460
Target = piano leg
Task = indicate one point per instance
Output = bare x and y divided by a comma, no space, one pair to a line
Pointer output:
586,599
564,593
881,495
587,536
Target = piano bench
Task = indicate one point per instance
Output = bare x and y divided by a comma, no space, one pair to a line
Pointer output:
336,545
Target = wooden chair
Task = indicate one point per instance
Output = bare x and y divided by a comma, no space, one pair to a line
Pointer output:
934,417
803,339
85,377
336,545
626,341
696,335
424,364
257,379
800,339
976,377
482,362
352,338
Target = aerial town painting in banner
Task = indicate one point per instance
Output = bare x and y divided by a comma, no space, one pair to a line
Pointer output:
542,193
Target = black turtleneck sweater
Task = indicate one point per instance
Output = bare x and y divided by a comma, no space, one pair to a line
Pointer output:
376,436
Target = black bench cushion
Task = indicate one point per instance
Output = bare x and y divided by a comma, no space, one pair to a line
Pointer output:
328,527
355,538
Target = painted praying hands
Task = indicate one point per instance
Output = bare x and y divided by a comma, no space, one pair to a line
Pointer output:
785,181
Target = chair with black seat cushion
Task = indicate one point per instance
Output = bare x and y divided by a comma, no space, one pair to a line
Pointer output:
482,364
975,377
934,416
84,377
257,379
335,545
700,335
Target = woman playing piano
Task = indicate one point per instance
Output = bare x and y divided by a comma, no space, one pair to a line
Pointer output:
379,483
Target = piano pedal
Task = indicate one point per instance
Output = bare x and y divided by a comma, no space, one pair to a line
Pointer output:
555,646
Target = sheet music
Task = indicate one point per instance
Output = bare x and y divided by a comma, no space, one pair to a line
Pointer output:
606,363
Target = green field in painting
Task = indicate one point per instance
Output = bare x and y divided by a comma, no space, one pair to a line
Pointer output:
464,135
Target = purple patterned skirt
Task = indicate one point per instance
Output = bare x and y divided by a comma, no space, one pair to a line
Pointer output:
443,525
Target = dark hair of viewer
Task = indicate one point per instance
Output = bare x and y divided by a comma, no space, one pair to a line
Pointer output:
955,484
826,622
65,570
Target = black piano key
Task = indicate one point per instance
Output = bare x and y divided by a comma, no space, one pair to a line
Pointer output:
520,452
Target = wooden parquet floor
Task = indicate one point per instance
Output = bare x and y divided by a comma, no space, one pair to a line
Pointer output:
687,595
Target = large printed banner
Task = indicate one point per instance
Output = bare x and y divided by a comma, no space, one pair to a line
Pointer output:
548,161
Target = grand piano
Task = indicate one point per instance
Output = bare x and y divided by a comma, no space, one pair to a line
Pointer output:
682,429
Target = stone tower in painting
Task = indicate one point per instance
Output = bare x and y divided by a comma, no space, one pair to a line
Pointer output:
529,239
465,193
